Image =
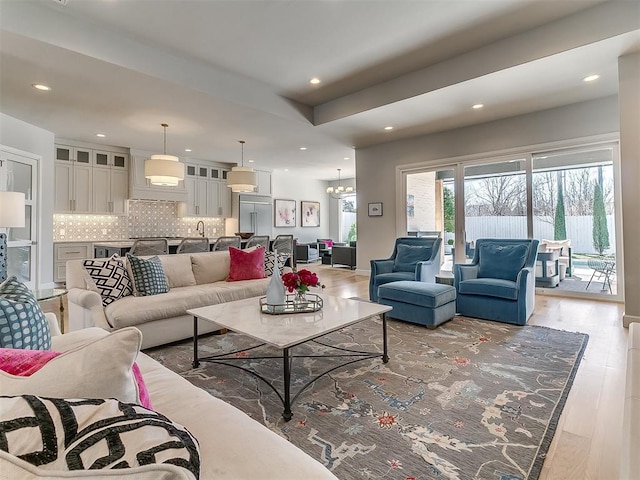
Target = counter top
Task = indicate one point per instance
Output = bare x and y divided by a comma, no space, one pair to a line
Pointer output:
173,242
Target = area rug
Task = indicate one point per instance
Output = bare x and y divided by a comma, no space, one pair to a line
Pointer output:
469,400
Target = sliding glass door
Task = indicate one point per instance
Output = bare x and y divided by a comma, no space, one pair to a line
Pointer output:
566,198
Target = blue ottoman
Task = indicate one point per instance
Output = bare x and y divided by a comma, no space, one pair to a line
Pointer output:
428,304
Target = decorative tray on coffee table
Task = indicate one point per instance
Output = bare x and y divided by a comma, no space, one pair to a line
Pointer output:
293,304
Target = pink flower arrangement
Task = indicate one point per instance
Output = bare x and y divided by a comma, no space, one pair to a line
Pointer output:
301,281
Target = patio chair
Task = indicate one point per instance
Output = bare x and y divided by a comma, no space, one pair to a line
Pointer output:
150,246
499,284
604,268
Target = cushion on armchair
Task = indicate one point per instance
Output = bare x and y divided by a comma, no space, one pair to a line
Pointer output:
22,322
502,261
409,255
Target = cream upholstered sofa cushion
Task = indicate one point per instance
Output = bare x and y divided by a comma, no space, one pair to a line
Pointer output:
99,369
210,267
178,270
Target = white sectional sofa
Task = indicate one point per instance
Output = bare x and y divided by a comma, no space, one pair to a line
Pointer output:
195,280
232,445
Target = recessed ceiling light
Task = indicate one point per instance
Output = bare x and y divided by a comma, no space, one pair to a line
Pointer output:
590,78
346,158
251,161
286,169
477,106
303,148
101,135
188,150
388,128
314,81
40,86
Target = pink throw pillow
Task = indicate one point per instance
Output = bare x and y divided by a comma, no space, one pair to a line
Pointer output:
24,363
329,243
246,265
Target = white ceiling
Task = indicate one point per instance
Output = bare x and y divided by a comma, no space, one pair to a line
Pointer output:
220,71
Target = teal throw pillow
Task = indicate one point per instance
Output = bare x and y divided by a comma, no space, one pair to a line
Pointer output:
502,261
22,322
408,255
148,276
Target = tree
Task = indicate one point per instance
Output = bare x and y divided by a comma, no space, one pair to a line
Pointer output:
496,196
559,223
353,233
600,230
448,204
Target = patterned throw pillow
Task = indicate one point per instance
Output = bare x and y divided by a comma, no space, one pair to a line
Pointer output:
110,278
269,262
148,275
22,322
96,434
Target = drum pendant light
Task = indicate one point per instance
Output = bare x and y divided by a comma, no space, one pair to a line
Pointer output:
162,169
242,179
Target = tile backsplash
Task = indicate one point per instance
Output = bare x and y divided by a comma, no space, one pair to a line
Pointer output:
144,219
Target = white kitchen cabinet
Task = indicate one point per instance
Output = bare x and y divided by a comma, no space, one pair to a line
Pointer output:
264,183
110,190
207,192
141,189
73,183
68,251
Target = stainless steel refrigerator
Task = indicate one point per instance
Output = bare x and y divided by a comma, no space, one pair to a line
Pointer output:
256,214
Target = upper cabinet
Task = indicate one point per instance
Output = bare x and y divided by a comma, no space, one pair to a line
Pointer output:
264,182
140,187
207,191
90,181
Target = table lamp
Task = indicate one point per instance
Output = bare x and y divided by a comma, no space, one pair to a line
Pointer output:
11,215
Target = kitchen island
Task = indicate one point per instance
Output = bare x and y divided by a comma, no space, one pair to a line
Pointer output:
121,247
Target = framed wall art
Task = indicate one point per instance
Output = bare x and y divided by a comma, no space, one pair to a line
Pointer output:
375,209
284,214
310,214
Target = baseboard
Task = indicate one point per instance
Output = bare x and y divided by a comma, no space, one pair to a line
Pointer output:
361,271
628,319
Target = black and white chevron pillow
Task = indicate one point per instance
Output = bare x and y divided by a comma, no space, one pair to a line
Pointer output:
93,434
110,277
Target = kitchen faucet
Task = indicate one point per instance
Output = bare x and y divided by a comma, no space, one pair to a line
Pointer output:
200,222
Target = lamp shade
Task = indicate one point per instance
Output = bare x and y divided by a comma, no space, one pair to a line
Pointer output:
11,209
164,170
242,179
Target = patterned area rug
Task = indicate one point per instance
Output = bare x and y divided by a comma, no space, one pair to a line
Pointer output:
469,400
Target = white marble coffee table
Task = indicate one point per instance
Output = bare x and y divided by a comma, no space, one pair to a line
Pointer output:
286,331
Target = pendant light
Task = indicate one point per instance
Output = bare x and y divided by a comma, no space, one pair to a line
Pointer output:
336,192
242,179
165,170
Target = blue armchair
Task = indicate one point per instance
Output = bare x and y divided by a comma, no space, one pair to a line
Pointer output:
499,284
413,258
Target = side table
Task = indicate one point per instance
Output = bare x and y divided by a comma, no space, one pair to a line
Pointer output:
545,280
444,278
49,294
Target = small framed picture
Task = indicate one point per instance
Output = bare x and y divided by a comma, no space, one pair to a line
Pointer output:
375,209
310,214
284,213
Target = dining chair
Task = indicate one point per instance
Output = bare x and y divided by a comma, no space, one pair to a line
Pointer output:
223,243
193,245
150,246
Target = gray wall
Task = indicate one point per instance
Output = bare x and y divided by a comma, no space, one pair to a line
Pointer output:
28,138
376,165
296,187
629,92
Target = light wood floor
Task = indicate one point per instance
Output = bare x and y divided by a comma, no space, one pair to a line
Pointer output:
587,441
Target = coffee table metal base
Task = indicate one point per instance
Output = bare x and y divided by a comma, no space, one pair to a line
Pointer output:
230,359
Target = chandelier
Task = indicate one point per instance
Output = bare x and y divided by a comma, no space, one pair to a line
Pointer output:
162,169
242,179
336,192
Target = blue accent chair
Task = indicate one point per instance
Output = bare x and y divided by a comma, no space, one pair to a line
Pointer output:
413,258
499,284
